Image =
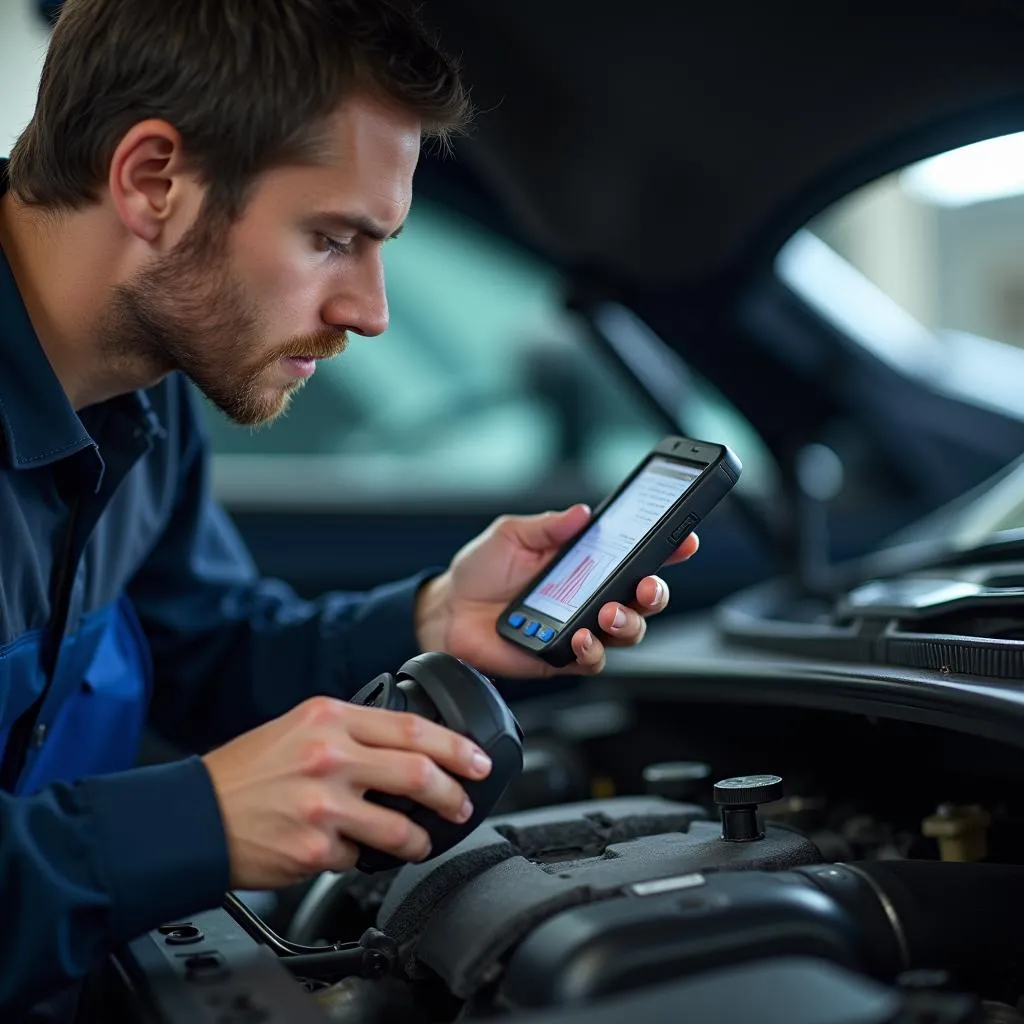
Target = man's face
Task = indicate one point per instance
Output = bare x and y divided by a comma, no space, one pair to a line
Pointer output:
246,309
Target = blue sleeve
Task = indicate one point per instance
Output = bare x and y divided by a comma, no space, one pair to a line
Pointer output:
89,866
231,650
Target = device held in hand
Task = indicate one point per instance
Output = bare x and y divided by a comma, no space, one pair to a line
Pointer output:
452,693
630,536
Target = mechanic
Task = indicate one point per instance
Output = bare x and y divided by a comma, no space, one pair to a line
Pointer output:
203,194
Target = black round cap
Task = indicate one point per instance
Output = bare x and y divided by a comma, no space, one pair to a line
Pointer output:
747,790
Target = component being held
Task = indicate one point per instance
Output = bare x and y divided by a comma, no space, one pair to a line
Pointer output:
453,694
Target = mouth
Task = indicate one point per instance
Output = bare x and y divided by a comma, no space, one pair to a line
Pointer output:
299,366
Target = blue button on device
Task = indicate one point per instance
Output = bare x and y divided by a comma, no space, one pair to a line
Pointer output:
546,634
531,628
516,619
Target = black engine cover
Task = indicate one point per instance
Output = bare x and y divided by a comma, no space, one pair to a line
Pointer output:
462,912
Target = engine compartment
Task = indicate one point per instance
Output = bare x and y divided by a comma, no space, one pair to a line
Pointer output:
894,854
885,886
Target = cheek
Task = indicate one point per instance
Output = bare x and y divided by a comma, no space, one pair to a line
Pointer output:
289,287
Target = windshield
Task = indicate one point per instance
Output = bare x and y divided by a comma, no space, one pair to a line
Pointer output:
925,268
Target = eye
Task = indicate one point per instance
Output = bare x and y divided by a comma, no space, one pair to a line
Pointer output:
332,246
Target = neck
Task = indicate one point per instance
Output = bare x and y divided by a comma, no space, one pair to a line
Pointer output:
63,265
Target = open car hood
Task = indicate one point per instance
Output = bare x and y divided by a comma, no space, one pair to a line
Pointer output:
669,143
661,154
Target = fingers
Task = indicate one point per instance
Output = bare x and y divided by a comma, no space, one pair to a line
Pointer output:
393,730
318,849
624,626
628,624
548,530
589,651
382,828
686,550
624,623
651,598
415,775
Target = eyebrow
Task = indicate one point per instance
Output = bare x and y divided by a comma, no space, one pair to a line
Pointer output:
355,222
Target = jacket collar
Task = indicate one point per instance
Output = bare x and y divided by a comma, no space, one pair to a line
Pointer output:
39,424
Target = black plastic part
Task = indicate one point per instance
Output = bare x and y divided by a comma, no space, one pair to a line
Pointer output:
748,790
463,913
450,692
335,964
740,825
711,921
373,956
259,930
226,977
153,983
954,924
722,470
739,798
882,943
788,990
926,915
185,935
763,618
962,918
206,968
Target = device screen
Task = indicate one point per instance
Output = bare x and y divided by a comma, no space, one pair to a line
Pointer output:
607,542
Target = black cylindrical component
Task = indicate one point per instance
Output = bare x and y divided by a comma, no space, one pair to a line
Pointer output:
739,799
963,918
417,701
740,824
747,790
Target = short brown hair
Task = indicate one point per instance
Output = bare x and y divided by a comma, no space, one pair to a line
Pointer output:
247,84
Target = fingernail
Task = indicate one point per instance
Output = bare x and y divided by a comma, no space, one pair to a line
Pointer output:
426,853
659,592
465,811
481,762
588,642
620,619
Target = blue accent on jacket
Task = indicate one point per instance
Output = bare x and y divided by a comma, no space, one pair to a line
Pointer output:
167,614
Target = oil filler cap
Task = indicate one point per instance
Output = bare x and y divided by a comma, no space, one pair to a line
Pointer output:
738,799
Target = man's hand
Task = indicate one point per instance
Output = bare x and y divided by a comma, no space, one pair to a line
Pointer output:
457,612
291,791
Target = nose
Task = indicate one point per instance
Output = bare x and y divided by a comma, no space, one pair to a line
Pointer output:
359,302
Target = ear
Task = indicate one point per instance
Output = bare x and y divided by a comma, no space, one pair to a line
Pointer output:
155,194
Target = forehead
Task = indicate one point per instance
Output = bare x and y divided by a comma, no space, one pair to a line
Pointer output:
365,164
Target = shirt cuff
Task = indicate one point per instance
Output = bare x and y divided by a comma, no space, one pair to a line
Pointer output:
160,844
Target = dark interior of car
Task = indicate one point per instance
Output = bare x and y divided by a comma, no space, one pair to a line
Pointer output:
799,800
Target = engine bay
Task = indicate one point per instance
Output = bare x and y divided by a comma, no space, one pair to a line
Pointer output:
878,870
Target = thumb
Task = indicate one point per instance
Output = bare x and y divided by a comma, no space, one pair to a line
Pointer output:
549,529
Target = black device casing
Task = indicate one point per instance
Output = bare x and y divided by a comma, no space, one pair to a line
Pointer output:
722,470
451,693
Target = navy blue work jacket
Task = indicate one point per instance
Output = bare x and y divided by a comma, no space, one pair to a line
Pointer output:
108,530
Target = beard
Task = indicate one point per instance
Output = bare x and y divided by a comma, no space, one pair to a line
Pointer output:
188,313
